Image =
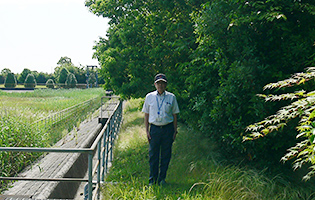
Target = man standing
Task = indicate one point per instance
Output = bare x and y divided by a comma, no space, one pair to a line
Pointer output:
161,109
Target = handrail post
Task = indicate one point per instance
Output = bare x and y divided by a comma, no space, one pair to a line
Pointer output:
103,156
99,148
90,182
111,138
107,147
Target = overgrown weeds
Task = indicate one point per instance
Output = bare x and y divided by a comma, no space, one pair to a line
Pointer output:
18,111
197,170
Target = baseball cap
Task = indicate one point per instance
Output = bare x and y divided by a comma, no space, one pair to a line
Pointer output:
160,77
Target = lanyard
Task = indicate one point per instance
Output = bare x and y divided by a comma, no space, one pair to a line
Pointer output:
159,106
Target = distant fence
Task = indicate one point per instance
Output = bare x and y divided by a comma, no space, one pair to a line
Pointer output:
67,113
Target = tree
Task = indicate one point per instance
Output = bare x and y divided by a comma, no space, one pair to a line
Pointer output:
5,72
30,81
242,47
41,78
64,61
23,75
218,56
79,72
10,81
50,84
144,39
2,79
71,81
302,106
63,75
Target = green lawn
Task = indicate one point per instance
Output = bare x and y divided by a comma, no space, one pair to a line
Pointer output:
197,170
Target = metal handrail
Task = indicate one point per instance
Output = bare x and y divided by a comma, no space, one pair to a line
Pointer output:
108,134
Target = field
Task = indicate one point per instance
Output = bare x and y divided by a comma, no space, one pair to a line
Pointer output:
19,111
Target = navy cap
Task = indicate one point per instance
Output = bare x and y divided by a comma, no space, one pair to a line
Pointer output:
160,77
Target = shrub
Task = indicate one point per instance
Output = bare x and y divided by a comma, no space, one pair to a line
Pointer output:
50,84
63,75
30,81
10,81
71,81
301,106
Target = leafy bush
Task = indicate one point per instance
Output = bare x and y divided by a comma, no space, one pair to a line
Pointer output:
30,81
71,81
63,75
302,106
10,81
50,84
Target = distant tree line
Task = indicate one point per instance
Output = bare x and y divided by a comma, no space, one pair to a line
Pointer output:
65,74
217,55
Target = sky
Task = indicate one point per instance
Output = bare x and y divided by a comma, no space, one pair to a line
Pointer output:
35,34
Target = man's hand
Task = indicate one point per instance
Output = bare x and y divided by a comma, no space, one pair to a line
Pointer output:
174,136
146,122
148,135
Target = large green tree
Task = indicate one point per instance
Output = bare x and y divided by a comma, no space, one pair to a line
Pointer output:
242,47
144,38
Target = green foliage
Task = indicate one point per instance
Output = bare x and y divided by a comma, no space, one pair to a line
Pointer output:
16,132
71,81
62,77
302,106
23,75
64,61
2,79
241,48
41,77
79,72
30,81
5,72
217,55
50,84
10,81
144,38
19,111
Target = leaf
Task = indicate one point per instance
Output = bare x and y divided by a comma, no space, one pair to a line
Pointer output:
302,81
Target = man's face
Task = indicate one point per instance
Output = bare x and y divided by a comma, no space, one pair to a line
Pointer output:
160,86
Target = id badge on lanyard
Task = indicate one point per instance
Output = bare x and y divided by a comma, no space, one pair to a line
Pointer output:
159,117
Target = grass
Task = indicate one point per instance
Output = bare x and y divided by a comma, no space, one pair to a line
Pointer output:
40,103
19,110
197,170
22,86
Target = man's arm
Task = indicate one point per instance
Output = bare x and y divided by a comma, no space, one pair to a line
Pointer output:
175,125
146,122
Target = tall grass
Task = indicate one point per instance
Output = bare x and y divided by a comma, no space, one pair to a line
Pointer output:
19,110
40,103
197,170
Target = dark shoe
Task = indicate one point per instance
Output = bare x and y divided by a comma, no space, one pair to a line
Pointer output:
162,182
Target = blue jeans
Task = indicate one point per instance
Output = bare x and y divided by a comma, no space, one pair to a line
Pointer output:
160,151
